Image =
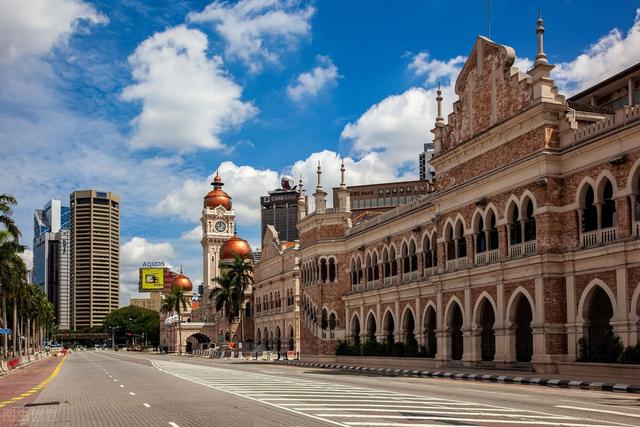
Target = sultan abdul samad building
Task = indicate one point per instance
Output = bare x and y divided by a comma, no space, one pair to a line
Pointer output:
528,243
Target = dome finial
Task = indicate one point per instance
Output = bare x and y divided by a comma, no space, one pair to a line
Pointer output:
541,57
300,184
342,169
319,172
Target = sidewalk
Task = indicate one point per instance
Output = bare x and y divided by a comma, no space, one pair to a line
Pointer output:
20,387
498,376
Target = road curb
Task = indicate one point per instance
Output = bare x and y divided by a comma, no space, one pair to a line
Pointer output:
504,379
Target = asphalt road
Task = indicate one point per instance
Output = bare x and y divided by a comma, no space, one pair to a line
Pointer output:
106,388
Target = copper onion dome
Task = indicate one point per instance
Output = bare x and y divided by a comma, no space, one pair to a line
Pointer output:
217,196
183,282
235,246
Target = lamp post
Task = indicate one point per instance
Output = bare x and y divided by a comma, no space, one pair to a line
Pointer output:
113,337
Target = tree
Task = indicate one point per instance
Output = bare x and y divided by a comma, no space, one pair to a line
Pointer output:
176,301
6,210
136,320
241,275
225,295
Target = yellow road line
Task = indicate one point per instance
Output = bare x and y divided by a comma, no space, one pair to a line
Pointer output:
40,386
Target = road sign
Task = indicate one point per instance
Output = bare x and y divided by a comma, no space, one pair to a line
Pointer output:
5,331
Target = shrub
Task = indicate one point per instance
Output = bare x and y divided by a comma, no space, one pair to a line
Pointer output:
397,349
631,355
606,350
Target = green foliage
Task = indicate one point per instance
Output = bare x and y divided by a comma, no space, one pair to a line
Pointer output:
374,348
607,350
135,320
631,355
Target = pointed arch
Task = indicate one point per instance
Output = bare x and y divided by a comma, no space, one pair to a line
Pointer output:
476,308
448,309
519,291
587,293
430,326
371,325
389,325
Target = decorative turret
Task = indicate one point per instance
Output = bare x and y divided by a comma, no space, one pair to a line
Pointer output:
344,200
437,132
320,195
302,201
542,84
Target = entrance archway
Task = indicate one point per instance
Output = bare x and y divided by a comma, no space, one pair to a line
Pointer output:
371,327
524,332
278,342
389,327
599,314
197,341
487,335
430,331
457,343
291,339
355,330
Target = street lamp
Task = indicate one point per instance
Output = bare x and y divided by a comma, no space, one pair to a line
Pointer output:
113,337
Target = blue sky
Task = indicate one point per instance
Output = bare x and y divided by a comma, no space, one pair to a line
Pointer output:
147,99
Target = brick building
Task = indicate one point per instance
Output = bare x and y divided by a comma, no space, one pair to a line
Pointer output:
528,243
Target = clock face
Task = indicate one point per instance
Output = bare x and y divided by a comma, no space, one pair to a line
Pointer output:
221,226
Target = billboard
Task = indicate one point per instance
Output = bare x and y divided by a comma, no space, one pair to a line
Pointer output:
151,279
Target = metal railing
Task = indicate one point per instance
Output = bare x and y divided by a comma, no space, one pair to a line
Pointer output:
430,271
523,249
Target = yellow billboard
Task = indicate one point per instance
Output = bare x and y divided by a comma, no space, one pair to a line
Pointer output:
151,279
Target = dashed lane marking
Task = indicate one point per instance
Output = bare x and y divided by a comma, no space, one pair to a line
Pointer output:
172,424
132,393
147,405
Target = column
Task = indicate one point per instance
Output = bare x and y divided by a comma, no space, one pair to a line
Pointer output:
443,353
397,333
538,324
379,332
572,327
625,223
469,333
499,326
419,330
620,323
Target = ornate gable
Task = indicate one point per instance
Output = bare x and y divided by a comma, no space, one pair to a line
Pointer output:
270,243
489,91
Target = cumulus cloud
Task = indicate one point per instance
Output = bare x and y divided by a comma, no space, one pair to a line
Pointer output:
194,234
27,257
308,84
244,184
187,99
35,27
434,69
132,254
609,55
257,31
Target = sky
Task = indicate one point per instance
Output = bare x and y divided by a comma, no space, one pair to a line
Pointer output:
148,99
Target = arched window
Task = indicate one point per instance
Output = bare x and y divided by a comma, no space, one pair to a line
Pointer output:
608,218
332,269
333,321
387,263
529,221
492,232
323,270
369,268
427,253
247,310
460,238
515,228
481,239
589,211
353,272
324,324
413,256
374,263
392,259
359,269
450,243
406,259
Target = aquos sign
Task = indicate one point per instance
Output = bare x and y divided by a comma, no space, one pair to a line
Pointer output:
153,264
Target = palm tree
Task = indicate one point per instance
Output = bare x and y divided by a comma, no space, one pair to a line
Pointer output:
13,273
241,275
225,295
176,301
6,210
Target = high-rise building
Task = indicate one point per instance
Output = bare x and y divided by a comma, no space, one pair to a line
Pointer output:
426,170
95,256
51,258
280,209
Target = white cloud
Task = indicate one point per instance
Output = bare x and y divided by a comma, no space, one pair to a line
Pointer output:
397,126
308,84
194,234
244,184
132,254
188,99
434,69
34,27
256,31
611,54
523,64
27,257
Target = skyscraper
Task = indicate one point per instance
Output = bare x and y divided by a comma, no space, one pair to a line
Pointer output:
95,256
426,170
280,209
51,258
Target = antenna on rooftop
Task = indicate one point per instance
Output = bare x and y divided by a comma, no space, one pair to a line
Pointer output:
489,17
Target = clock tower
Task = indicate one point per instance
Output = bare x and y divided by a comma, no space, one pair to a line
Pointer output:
218,221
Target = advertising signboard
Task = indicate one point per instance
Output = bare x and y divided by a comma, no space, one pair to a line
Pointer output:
151,279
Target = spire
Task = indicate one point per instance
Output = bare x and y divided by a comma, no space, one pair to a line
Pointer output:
300,185
342,169
319,172
541,57
302,202
439,118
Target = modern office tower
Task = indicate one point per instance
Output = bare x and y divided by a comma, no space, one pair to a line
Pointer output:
51,258
426,170
95,256
280,209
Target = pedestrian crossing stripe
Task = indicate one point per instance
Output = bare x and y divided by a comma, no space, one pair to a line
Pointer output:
354,405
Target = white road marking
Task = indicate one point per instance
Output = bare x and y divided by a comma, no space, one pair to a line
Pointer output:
132,393
405,417
147,405
121,385
604,411
115,380
172,424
